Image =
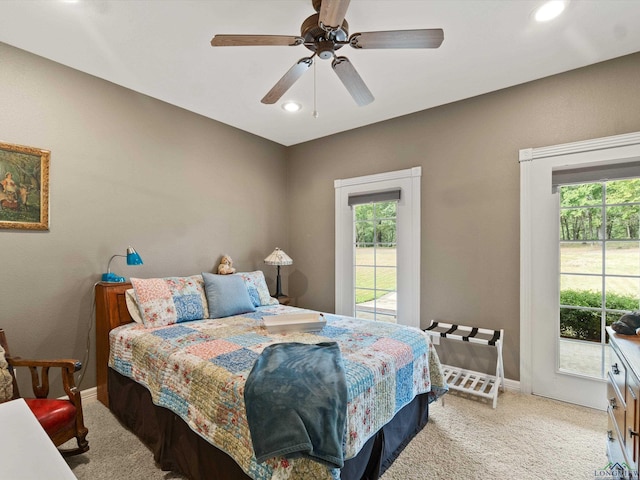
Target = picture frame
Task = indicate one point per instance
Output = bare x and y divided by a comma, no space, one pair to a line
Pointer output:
24,187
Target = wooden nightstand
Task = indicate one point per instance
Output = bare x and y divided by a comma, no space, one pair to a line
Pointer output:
284,300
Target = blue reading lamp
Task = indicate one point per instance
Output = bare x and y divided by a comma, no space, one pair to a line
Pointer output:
133,258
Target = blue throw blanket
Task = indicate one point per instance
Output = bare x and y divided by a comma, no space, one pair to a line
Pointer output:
296,402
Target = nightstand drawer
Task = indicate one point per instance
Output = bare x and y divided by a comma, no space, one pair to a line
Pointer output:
618,374
615,449
616,407
631,422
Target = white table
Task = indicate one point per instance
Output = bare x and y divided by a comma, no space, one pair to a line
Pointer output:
26,452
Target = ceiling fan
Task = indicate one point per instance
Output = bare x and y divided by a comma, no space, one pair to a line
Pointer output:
325,32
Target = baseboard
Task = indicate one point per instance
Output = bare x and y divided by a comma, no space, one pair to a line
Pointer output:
512,384
89,394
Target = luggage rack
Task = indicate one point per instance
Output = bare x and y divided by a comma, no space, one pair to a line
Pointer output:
468,381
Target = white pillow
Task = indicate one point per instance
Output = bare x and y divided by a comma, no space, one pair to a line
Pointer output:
132,305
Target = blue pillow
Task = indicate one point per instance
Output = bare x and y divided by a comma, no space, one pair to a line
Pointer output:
227,295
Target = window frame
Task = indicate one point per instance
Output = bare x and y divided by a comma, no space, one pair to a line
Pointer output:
408,245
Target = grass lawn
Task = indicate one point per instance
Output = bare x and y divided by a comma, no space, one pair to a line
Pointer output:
621,259
383,278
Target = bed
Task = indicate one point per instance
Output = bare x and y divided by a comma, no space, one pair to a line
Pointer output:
179,387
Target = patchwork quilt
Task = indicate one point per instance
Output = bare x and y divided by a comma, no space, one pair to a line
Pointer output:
198,370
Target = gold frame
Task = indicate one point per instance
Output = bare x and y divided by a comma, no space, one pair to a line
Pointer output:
31,167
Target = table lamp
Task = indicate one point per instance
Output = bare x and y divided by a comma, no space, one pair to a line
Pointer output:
278,258
133,258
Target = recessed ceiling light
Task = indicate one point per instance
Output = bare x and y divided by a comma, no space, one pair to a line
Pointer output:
292,107
550,10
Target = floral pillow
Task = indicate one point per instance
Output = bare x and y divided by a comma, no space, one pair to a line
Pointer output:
257,287
6,380
169,300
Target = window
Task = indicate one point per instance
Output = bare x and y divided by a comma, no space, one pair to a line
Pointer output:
543,171
378,246
599,268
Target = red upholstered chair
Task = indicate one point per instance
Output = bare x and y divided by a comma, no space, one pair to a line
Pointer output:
61,418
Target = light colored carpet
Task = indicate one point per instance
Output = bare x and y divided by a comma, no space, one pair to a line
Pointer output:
525,438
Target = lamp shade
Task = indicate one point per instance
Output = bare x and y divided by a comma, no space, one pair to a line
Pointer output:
278,257
133,257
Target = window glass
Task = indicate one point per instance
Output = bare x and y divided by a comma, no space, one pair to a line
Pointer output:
622,258
622,294
599,267
375,269
581,324
581,195
386,278
581,257
622,222
623,191
581,223
386,255
365,277
581,290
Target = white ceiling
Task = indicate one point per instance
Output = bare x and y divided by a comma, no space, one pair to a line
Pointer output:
161,48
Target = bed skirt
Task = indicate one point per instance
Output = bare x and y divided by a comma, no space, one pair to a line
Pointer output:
177,448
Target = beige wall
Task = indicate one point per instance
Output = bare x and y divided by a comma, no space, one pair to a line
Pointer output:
470,188
125,169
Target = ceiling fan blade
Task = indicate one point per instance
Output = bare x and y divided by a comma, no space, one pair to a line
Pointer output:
255,40
427,38
332,13
352,81
287,80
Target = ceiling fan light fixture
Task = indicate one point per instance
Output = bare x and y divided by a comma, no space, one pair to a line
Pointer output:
550,10
291,107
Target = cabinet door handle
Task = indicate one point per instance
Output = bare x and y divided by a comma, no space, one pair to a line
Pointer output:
613,403
632,433
615,369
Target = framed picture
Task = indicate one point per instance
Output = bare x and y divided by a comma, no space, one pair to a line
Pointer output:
24,187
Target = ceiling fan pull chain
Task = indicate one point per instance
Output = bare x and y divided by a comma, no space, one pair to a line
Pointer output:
315,95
